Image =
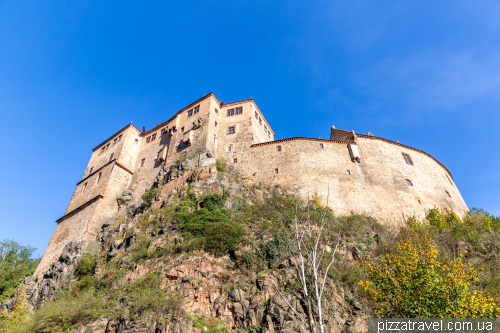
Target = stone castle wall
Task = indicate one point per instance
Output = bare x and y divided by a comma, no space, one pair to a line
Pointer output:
377,185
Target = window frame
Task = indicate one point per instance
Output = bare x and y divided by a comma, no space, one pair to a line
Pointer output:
148,139
111,157
230,112
235,160
233,128
321,146
189,113
238,110
276,171
407,159
278,148
196,109
409,182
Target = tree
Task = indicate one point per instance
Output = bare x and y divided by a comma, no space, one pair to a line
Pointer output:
311,259
413,283
15,264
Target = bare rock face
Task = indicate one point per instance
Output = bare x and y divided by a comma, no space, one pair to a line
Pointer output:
125,197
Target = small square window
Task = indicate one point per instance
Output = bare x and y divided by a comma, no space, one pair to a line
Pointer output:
148,139
448,193
235,160
142,162
407,159
153,137
278,148
91,169
111,157
196,110
321,146
408,182
348,172
239,110
190,113
231,130
276,171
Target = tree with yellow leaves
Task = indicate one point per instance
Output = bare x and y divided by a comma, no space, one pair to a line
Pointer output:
413,283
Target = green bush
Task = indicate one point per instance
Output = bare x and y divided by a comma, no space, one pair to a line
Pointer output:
213,201
194,222
149,195
16,264
275,250
188,203
139,250
223,237
87,264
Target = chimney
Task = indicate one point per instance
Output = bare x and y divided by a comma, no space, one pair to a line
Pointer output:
143,129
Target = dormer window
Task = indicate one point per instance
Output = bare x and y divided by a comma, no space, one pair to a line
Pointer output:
196,110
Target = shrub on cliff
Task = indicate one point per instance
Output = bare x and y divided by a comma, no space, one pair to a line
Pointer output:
223,237
413,283
194,222
149,195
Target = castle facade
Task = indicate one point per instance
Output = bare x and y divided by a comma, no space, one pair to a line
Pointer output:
356,173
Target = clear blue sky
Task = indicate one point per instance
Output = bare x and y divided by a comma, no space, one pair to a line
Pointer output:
426,73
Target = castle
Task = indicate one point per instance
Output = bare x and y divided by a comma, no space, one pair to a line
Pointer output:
357,173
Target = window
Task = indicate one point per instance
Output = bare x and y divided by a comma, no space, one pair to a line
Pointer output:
115,141
98,178
103,148
230,112
153,138
215,138
107,146
216,111
408,182
420,202
111,157
269,134
239,110
256,115
407,159
265,129
260,121
231,130
321,146
148,139
448,193
235,160
190,113
196,110
278,148
215,124
120,138
83,188
348,172
163,132
276,171
230,148
91,169
142,162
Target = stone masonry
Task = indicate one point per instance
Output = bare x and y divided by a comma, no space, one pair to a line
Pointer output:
350,172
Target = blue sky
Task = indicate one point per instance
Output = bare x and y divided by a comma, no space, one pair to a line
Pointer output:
425,73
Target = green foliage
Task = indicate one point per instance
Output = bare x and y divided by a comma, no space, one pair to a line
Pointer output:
194,222
188,203
413,283
149,195
223,237
441,219
221,166
15,264
213,201
275,250
140,248
87,264
209,325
